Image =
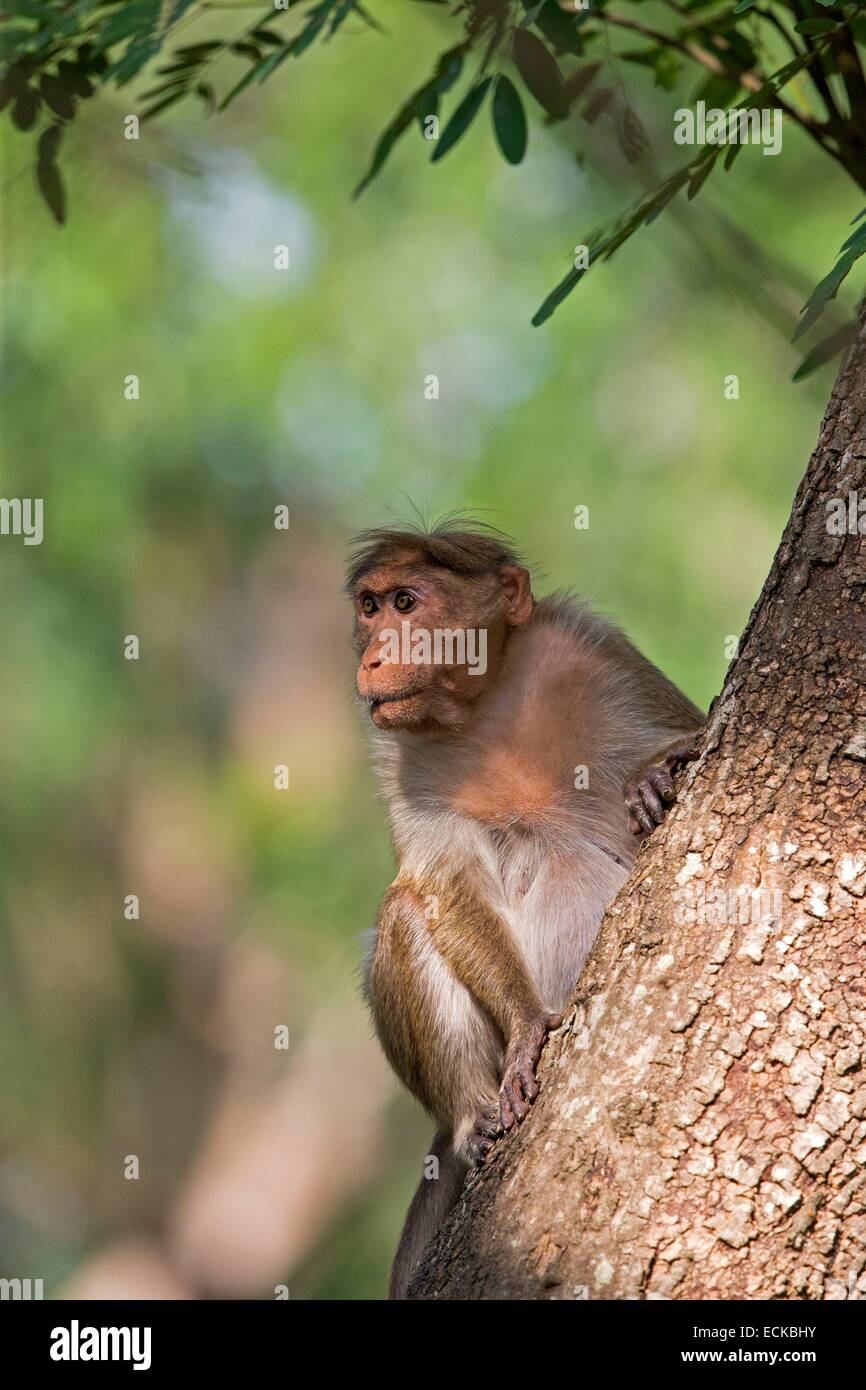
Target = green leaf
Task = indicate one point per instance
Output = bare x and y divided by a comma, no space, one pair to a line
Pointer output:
828,288
423,102
51,187
579,80
128,21
462,118
201,50
48,144
26,109
33,9
539,71
532,14
174,84
816,26
716,90
826,350
91,59
334,10
603,244
166,101
556,296
13,40
14,78
56,96
268,36
697,181
509,120
664,64
737,45
206,92
559,28
733,152
856,241
75,79
343,10
137,55
744,5
632,136
147,25
600,101
612,237
260,71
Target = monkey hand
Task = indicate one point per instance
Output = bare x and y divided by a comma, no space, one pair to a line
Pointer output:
519,1086
647,790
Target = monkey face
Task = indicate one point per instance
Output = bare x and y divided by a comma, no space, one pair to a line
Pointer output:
428,642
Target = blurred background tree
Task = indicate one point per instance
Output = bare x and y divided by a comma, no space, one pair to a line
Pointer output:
305,387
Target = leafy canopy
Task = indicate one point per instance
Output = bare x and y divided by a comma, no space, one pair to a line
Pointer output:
554,54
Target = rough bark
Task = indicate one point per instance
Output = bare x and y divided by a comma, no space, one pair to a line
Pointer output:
701,1131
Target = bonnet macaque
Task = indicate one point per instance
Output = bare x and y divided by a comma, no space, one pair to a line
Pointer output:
524,747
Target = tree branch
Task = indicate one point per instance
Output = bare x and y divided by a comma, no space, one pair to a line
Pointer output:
752,81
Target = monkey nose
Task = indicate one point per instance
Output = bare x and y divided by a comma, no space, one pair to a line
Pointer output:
370,662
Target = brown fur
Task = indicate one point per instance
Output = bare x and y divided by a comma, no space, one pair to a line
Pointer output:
506,866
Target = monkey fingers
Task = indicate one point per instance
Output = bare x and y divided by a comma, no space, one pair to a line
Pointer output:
653,783
644,794
519,1085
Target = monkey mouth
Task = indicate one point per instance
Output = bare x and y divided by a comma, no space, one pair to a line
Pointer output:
375,701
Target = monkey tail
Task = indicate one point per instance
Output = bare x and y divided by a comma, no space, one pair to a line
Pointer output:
434,1198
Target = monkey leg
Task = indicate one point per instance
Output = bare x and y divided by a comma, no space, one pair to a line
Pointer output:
519,1085
436,1036
652,785
482,952
437,1193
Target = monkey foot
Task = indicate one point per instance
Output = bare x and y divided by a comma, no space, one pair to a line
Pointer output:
651,786
484,1134
519,1086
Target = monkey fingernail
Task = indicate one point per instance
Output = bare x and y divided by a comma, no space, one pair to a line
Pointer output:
518,1104
651,802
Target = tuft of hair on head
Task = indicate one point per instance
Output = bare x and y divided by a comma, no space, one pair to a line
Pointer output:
457,542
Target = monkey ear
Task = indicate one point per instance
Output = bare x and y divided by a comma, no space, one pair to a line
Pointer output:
517,592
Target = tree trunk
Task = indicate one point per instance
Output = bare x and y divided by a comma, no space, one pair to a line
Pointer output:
701,1129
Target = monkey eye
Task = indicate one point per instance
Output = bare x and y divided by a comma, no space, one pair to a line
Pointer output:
368,605
403,601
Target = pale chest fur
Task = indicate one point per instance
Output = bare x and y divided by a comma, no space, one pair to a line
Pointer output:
528,804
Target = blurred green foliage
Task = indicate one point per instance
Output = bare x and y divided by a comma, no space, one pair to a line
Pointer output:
306,387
